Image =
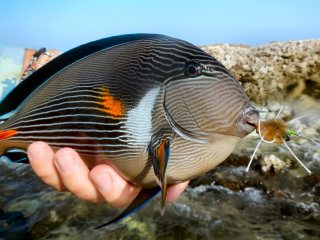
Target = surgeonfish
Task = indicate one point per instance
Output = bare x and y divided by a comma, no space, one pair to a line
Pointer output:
158,109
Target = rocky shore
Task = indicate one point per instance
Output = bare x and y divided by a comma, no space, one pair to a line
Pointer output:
273,72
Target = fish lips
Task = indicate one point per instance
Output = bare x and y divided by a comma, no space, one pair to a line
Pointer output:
248,122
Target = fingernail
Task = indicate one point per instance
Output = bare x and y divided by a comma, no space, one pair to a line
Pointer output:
36,153
66,163
102,181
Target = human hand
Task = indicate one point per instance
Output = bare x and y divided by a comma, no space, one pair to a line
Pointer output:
65,170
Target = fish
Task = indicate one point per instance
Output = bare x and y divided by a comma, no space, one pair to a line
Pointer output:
157,109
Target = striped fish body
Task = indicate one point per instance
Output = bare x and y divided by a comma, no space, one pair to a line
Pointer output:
117,100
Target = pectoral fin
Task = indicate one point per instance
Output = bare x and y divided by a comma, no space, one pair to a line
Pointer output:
144,196
160,154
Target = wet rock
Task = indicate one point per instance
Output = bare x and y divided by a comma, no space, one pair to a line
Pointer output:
272,163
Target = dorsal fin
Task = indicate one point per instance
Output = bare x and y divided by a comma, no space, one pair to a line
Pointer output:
19,94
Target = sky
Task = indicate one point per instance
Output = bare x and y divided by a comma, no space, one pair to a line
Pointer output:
64,24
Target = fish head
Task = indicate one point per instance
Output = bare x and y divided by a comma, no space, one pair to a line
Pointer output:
205,100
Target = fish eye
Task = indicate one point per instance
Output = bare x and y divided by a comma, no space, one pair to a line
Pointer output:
192,69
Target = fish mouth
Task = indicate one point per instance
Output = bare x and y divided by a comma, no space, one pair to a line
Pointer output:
254,125
249,121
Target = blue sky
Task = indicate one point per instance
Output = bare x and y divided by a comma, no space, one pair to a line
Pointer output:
63,24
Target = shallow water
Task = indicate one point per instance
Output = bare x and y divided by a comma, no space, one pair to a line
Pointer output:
282,202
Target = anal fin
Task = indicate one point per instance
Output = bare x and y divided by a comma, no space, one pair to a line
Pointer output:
17,156
144,196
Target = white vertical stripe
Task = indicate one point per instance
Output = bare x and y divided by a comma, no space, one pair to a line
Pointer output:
139,120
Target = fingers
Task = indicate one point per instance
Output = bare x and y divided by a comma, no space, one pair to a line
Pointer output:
101,183
75,175
66,170
41,160
174,191
115,190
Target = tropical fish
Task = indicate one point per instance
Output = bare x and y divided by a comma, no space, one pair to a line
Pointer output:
158,109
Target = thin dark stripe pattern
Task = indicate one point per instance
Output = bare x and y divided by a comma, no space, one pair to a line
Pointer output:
108,104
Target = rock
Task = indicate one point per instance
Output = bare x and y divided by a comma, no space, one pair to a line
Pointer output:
275,71
271,163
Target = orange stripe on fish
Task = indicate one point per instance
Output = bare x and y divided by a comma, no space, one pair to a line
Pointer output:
7,133
110,105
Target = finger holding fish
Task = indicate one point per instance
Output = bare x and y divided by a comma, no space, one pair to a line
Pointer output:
100,184
65,170
75,175
41,160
